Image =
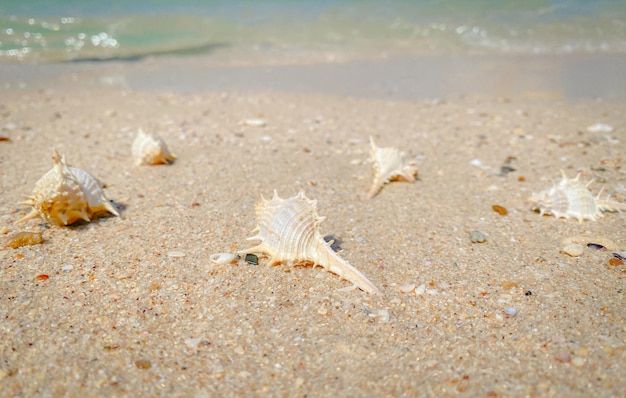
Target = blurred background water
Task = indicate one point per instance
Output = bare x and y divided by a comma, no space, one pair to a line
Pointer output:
43,31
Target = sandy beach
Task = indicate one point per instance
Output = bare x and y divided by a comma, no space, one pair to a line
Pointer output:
132,306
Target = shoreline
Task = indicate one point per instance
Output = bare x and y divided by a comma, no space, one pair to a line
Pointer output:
554,77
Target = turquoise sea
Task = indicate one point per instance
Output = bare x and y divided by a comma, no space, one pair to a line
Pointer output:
42,31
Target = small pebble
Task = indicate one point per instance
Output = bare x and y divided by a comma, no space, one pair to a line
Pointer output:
477,237
510,311
322,311
476,163
24,238
143,364
175,253
578,361
573,250
252,259
500,210
67,268
563,357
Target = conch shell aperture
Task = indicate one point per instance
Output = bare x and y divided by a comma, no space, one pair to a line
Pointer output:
389,165
66,194
289,231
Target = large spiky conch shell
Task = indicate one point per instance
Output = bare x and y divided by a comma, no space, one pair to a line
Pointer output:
149,149
289,232
66,194
571,198
389,165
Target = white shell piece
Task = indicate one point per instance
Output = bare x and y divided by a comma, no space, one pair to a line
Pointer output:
289,231
571,198
149,149
600,128
254,122
389,165
223,258
66,194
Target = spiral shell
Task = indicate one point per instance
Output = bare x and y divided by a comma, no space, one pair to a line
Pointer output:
389,165
66,194
149,149
289,231
571,198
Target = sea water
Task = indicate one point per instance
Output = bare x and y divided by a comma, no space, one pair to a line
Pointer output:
44,31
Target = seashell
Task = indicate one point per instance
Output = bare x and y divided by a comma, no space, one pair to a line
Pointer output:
389,165
66,194
149,149
570,198
223,258
289,231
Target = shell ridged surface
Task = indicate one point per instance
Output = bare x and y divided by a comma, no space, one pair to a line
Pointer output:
66,194
571,198
389,164
289,232
149,149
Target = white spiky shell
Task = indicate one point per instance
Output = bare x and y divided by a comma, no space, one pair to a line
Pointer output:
571,198
389,164
149,149
66,194
289,232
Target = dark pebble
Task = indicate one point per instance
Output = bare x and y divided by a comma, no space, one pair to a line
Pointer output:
252,259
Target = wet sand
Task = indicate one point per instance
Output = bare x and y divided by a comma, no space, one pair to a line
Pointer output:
122,313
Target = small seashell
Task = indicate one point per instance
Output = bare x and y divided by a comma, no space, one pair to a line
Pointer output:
407,288
149,149
382,315
389,165
253,122
347,289
421,289
600,128
573,250
591,240
570,198
24,238
223,258
289,231
66,194
175,253
477,237
595,246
